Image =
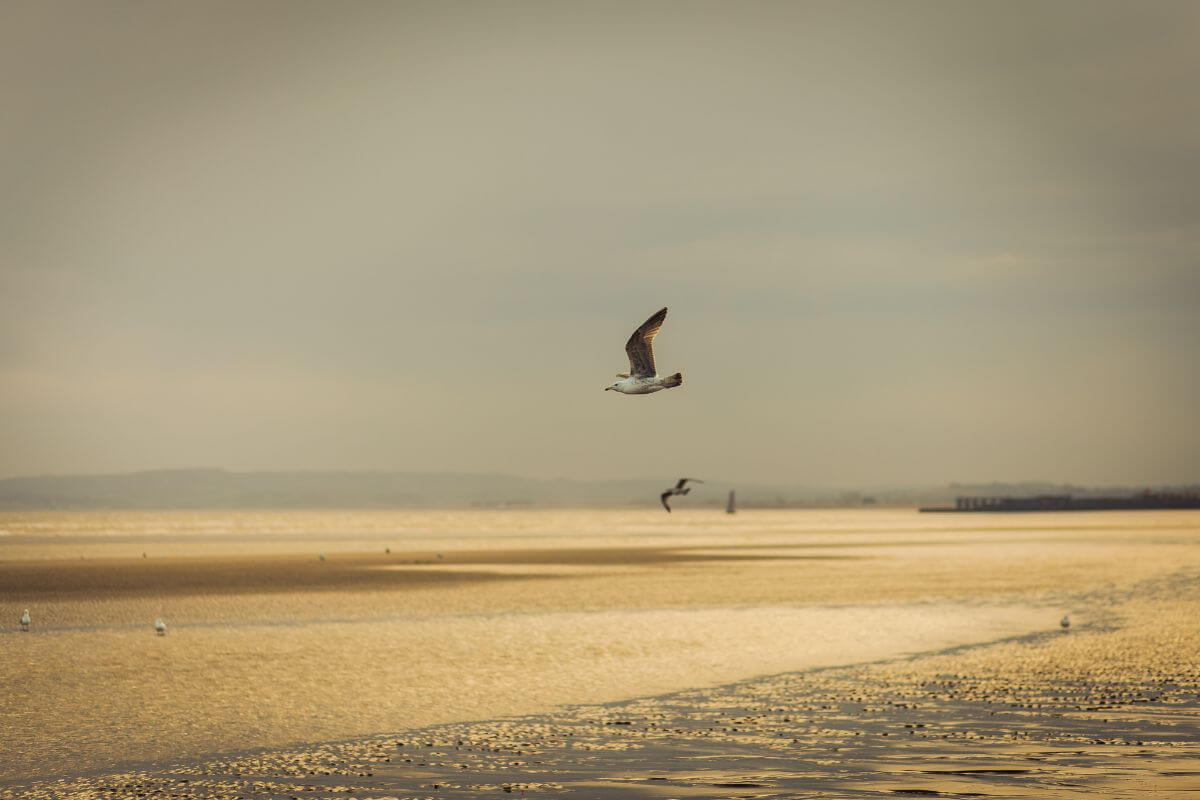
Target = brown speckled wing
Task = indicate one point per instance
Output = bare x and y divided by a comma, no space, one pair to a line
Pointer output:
639,350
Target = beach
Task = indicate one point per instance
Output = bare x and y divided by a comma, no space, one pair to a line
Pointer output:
622,653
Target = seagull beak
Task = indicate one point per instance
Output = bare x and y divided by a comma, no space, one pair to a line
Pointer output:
606,388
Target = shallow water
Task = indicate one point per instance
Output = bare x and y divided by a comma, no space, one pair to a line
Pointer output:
582,606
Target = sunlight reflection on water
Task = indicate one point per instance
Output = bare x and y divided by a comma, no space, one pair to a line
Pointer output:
92,687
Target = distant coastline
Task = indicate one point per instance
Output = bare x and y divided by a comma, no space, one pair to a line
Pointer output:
194,489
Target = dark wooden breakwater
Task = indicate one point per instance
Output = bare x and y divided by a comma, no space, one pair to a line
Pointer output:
1066,502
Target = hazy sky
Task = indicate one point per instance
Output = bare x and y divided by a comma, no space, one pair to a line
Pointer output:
901,242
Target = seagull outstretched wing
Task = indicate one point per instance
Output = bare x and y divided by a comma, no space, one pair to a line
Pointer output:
639,350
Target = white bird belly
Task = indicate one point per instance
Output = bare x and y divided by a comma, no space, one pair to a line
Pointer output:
639,385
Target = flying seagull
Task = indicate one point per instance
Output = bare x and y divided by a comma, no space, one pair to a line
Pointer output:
25,620
679,488
160,627
642,377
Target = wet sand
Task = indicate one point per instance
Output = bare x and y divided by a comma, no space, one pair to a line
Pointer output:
1109,710
53,580
486,633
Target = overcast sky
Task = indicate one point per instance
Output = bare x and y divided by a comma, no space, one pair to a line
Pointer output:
901,243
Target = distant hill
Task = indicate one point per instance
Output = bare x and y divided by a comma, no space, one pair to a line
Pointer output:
223,489
218,488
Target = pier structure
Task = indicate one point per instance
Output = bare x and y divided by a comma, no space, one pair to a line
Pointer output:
1066,502
1047,502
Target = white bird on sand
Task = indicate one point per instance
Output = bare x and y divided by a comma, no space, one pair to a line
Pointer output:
25,620
1065,622
160,627
643,377
680,488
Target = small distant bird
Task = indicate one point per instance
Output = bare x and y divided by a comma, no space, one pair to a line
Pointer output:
642,377
25,620
143,555
321,556
387,550
1065,622
160,627
679,488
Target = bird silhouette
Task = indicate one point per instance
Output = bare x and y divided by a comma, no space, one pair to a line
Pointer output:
678,489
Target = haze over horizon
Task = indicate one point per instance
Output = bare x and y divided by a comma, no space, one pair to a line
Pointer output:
901,244
722,482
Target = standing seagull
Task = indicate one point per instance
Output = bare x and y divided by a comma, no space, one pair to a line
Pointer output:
1065,622
25,620
160,627
679,488
643,377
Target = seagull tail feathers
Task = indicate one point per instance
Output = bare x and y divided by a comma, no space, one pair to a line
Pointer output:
671,381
